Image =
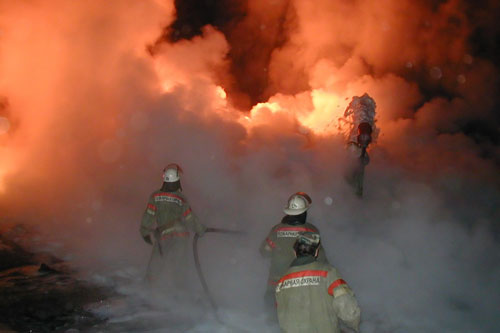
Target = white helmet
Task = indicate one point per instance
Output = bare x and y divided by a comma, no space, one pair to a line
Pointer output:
172,173
297,204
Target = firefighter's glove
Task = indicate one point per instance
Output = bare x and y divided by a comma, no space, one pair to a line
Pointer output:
147,239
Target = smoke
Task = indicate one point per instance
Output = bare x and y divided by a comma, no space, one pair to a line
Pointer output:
95,118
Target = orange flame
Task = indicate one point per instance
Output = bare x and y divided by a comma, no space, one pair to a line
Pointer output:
318,111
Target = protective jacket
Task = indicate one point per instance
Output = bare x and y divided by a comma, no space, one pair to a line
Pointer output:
169,217
311,297
279,246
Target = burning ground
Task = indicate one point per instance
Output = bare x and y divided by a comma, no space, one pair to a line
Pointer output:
246,96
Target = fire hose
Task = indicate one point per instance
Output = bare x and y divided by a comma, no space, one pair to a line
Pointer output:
200,272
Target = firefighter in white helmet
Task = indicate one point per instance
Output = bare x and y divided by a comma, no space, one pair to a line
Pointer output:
167,224
278,245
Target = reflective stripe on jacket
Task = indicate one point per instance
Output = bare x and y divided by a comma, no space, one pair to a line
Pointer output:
311,297
169,211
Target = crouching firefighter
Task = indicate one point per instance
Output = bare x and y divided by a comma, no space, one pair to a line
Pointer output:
167,224
311,296
278,244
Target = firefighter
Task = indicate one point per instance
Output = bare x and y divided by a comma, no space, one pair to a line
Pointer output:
312,296
167,224
278,243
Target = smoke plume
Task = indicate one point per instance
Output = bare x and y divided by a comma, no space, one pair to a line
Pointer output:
245,95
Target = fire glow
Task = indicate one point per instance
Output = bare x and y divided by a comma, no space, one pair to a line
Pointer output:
91,74
253,111
319,110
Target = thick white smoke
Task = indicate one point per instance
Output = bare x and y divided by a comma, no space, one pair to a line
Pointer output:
99,118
